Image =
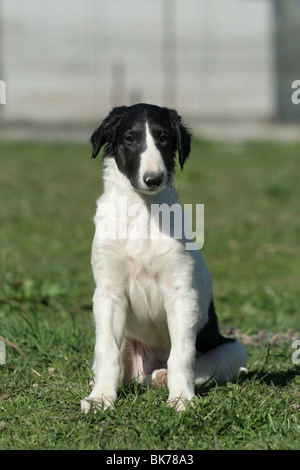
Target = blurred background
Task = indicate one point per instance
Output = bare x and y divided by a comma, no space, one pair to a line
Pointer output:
226,65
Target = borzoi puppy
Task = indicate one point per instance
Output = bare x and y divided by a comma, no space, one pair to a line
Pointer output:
153,305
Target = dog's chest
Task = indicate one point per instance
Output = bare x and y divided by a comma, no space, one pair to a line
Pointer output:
142,265
143,288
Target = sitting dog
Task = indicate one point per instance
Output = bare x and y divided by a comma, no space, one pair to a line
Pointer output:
153,305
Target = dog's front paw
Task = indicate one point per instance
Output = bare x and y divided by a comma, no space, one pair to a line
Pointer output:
96,403
181,401
179,404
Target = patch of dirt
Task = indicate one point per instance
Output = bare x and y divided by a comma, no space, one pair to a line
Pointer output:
262,337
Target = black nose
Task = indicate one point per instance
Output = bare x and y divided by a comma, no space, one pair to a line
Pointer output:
153,180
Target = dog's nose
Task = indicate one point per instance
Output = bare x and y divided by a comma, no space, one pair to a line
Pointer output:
153,179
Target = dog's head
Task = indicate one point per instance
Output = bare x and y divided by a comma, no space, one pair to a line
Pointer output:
143,139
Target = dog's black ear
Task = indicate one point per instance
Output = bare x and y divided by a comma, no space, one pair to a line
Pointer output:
105,133
183,136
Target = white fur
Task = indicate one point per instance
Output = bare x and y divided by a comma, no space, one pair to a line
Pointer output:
152,297
221,364
151,160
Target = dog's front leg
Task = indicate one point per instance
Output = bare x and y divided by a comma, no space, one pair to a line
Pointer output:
110,318
182,322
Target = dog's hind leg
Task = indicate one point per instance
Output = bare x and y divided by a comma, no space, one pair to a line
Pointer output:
223,363
131,361
217,357
142,364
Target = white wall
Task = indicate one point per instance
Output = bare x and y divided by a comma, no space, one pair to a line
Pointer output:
72,60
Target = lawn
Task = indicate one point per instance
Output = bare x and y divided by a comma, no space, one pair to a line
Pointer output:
251,196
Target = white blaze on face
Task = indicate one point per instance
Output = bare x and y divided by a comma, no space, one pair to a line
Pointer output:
151,160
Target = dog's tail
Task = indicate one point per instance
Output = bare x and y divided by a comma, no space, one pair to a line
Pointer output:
223,363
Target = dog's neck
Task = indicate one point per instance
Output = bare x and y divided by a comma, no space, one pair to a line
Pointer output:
116,183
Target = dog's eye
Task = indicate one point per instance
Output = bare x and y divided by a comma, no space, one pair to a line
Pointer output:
130,139
163,138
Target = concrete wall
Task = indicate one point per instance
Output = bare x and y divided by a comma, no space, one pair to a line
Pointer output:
71,61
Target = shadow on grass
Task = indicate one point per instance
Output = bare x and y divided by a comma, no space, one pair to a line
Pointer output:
278,379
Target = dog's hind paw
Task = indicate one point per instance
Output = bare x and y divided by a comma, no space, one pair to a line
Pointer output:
159,378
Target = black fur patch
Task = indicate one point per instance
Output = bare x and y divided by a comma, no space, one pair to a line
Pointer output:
210,337
123,134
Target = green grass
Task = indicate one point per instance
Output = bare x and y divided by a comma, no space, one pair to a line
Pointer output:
251,194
